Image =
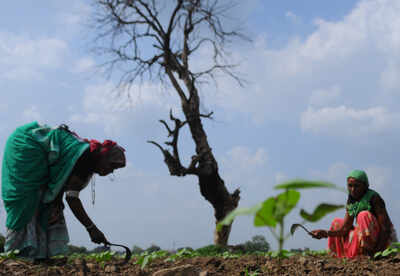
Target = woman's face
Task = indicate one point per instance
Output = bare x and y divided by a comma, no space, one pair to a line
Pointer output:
356,188
110,161
104,166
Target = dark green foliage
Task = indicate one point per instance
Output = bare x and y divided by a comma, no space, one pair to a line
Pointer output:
153,248
72,249
305,184
100,249
136,250
257,244
186,248
319,212
210,250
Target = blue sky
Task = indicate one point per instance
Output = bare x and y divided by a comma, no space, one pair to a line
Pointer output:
322,99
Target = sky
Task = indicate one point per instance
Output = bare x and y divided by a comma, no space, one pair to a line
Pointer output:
321,98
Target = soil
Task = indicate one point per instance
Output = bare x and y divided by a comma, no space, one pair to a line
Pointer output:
212,266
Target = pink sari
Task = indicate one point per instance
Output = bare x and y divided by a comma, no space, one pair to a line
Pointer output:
362,238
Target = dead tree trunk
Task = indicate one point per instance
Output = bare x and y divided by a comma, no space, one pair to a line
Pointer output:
212,187
191,25
204,164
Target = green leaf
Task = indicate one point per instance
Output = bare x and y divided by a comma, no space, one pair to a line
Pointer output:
265,215
286,254
378,254
238,212
322,210
305,184
284,203
146,260
274,254
388,251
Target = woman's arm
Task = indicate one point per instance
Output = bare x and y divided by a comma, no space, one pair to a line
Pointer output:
384,222
72,197
343,231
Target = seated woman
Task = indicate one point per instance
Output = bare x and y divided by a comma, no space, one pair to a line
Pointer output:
373,231
40,165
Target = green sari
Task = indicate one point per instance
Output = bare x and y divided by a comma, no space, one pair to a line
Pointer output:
37,162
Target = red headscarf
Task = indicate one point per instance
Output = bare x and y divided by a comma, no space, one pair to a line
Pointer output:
116,155
104,147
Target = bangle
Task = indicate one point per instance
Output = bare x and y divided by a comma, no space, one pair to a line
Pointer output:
90,226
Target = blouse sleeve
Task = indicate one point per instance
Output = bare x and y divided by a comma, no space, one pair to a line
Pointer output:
80,175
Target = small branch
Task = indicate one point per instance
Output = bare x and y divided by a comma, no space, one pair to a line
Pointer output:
174,167
173,160
170,132
158,145
207,115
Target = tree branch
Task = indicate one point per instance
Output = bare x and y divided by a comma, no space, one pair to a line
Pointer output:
207,115
173,160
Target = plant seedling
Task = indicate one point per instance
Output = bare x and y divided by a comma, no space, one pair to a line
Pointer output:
273,210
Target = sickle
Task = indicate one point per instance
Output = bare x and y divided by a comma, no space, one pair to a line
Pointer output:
128,253
296,225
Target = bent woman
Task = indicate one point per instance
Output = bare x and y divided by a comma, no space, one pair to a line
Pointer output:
40,164
373,231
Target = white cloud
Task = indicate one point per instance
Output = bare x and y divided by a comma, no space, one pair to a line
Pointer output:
293,17
244,166
389,78
243,159
336,173
103,104
343,121
83,65
77,14
323,97
248,169
380,178
24,58
354,60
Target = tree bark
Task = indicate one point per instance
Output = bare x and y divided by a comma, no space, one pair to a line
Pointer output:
212,186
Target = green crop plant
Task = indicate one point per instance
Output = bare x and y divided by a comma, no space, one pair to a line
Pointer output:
146,257
102,257
394,248
183,253
272,212
10,254
254,273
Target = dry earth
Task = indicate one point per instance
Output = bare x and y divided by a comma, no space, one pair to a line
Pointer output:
213,266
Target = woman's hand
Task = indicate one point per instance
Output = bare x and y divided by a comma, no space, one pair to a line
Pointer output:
319,234
96,235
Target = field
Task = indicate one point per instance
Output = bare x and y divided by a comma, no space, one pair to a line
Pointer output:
190,263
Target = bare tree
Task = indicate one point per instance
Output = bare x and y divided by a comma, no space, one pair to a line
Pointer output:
158,39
